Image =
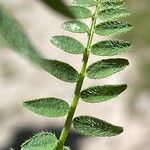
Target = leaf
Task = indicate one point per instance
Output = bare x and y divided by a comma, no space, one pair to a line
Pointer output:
60,70
90,126
112,14
49,107
75,26
67,148
112,4
87,3
112,27
12,34
106,67
59,6
81,12
102,93
41,141
68,44
110,48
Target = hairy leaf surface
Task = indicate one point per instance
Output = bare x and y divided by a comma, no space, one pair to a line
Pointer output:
110,48
102,93
85,3
68,44
60,70
111,4
112,14
91,126
41,141
106,68
81,12
112,27
75,26
49,107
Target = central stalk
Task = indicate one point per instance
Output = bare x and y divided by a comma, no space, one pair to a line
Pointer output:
73,106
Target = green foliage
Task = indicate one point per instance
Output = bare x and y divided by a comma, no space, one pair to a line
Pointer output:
106,67
102,93
68,44
75,26
87,3
112,13
112,27
80,12
41,141
110,48
91,126
59,6
103,22
60,70
49,107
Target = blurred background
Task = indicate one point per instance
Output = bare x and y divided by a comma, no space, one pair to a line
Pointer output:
21,80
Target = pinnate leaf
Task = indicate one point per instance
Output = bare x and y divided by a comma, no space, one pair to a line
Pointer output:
90,126
112,14
112,27
49,107
68,44
41,141
85,3
102,93
60,70
75,26
81,12
106,67
110,48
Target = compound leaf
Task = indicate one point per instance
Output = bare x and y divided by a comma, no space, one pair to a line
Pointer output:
90,126
102,93
81,12
106,67
60,70
41,141
68,44
75,26
49,107
87,3
112,27
110,48
111,4
112,14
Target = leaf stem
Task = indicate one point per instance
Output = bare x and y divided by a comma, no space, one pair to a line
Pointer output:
79,84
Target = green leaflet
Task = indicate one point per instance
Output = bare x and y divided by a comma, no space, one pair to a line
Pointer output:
67,148
60,70
91,126
49,107
112,27
106,67
41,141
85,3
110,48
12,34
111,4
102,93
68,44
112,14
75,26
81,12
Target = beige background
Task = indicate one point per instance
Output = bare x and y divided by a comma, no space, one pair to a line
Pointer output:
21,80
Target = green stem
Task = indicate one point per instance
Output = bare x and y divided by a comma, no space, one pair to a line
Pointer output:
79,84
